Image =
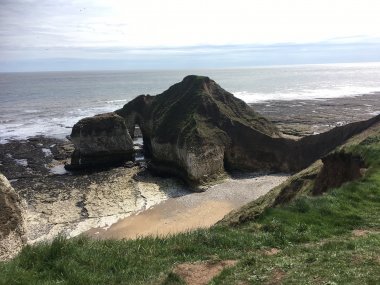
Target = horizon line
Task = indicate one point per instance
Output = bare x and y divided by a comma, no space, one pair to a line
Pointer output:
352,63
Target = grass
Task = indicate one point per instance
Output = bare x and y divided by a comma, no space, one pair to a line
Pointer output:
313,234
345,260
299,184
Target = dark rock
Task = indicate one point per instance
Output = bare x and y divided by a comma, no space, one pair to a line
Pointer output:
338,168
129,164
100,141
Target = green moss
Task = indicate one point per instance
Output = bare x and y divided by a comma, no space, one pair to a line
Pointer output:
197,108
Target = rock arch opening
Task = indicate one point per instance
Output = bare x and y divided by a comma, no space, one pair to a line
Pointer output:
138,143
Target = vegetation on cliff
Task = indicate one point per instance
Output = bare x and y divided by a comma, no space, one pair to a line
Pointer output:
332,238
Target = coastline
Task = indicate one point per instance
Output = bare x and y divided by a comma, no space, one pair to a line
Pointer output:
71,203
186,213
94,200
307,117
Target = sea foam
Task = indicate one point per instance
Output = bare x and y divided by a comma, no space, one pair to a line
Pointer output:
306,94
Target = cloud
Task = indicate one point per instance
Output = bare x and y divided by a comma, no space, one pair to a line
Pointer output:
227,56
129,30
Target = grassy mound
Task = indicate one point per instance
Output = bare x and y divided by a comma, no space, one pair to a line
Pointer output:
329,239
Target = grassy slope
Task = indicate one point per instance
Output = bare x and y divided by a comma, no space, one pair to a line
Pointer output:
313,234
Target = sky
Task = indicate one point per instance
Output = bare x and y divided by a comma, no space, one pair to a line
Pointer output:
38,35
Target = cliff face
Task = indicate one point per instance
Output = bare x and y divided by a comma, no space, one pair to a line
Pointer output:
196,130
346,163
338,168
12,210
190,129
100,141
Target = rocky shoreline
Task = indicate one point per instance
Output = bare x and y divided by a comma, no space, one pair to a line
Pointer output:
70,203
59,201
299,118
189,212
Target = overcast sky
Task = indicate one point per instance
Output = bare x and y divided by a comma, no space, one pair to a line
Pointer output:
150,34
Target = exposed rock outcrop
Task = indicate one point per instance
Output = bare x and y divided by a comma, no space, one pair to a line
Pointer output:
196,130
343,165
12,230
338,168
100,141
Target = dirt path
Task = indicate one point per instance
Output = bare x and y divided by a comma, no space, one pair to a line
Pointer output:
197,210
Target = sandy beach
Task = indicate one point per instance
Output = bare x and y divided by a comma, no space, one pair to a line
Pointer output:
197,210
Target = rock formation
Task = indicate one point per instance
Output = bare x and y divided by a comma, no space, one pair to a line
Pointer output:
99,141
12,231
196,130
338,168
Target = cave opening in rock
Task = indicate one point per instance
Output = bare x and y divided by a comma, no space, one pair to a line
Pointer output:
138,144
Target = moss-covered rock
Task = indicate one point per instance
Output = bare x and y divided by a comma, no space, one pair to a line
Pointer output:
196,129
193,127
100,141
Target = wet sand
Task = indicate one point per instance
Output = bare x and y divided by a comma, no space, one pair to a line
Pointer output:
197,210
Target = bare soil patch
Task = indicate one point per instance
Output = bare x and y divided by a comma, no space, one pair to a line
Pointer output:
201,273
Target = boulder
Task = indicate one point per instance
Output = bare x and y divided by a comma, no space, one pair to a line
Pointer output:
12,211
100,141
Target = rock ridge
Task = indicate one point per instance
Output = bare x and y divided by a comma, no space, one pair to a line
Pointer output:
196,130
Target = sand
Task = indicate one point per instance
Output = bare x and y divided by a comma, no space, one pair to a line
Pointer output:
193,211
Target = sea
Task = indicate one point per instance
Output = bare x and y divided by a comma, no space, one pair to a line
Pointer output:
50,103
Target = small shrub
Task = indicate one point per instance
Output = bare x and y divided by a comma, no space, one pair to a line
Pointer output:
302,205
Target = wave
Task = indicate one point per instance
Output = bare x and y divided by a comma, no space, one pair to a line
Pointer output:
306,94
50,124
116,101
32,111
58,123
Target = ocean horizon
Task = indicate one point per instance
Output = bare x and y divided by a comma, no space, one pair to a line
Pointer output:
50,103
